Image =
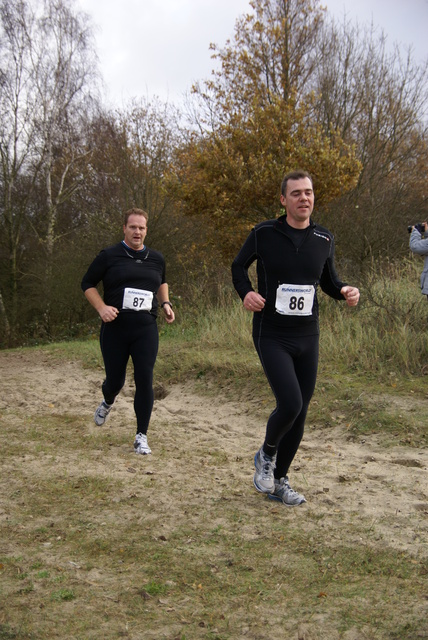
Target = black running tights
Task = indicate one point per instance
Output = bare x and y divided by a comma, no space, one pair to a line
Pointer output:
290,365
135,335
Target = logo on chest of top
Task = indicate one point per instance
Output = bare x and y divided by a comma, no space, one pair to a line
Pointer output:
321,235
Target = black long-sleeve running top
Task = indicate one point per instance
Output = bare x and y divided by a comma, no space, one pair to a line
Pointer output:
291,263
130,278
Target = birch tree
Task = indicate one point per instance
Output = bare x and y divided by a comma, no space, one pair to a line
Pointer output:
47,78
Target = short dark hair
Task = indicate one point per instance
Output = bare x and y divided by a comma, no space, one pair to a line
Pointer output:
135,212
294,175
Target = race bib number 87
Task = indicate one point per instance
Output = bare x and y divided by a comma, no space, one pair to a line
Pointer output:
295,299
137,299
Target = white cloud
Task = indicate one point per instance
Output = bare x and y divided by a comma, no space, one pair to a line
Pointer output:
147,47
403,21
160,47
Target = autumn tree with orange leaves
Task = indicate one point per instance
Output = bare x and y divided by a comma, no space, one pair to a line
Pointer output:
256,122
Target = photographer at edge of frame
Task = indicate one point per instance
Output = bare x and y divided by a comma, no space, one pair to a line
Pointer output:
418,243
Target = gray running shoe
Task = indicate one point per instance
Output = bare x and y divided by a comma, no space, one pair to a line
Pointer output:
140,444
101,413
285,494
263,476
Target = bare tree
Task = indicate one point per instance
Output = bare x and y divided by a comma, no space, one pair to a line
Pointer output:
19,161
47,78
376,97
152,133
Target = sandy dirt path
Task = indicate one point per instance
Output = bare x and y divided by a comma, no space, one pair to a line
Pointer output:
339,477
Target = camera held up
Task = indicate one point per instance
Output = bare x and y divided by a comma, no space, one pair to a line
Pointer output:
420,227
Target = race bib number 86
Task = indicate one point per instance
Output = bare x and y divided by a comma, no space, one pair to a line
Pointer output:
137,299
295,299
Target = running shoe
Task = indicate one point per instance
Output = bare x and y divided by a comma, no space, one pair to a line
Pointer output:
285,494
140,444
263,476
101,413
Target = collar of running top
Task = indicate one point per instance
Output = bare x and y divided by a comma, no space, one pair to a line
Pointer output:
136,250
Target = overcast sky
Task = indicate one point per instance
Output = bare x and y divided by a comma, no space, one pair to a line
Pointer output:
160,47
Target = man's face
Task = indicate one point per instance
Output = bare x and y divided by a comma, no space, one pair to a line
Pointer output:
134,231
298,202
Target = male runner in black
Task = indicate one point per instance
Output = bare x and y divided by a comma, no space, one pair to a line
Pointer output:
134,284
294,255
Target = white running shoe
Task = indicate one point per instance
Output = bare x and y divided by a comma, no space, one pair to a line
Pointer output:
101,413
263,476
140,444
285,494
